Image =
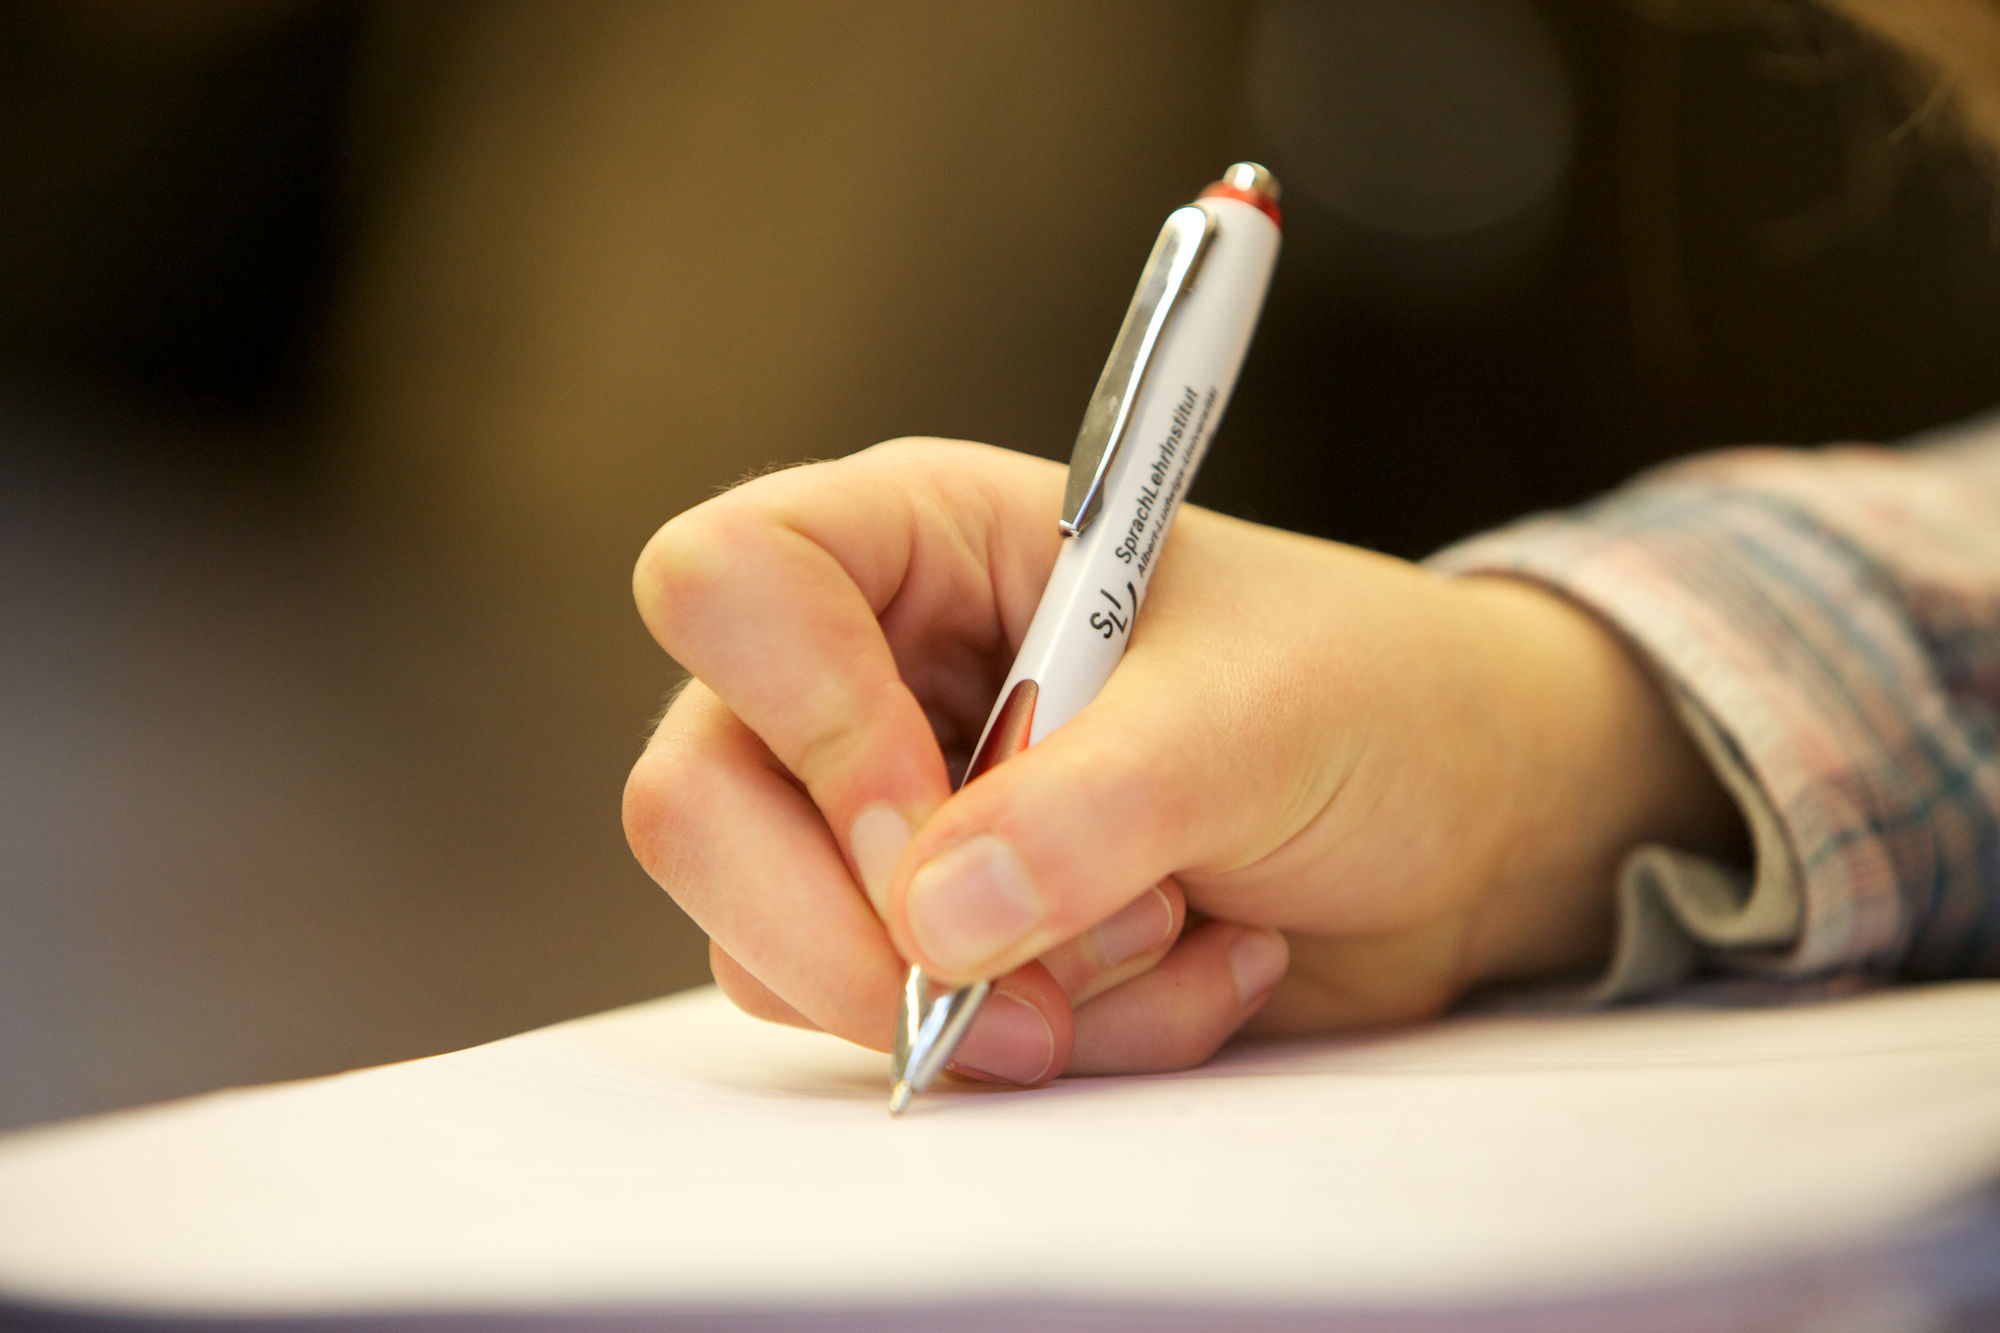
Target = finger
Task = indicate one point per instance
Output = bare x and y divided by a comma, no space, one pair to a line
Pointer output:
1120,947
1022,1033
1201,755
777,594
713,818
1177,1014
750,995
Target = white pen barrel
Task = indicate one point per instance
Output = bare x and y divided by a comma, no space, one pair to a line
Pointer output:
1093,596
1100,578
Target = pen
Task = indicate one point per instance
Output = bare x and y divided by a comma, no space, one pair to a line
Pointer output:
1144,432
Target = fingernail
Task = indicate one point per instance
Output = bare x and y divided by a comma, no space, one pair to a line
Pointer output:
1140,926
877,840
1009,1040
971,903
1256,961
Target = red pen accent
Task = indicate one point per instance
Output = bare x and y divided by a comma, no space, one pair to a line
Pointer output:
1008,735
1255,198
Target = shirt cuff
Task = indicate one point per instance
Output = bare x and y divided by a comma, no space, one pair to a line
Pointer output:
1798,676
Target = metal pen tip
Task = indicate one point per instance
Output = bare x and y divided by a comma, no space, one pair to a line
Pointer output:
899,1097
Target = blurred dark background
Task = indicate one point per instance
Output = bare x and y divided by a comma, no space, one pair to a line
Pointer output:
349,352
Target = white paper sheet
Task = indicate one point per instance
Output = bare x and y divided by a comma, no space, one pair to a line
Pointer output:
676,1155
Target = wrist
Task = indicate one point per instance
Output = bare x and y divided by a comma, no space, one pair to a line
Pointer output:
1596,764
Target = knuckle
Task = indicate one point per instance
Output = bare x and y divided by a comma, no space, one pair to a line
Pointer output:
829,744
687,563
748,992
1187,1039
1164,1045
936,465
664,810
901,450
1188,1051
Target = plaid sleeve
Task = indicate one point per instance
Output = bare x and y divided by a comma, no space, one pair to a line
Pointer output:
1829,622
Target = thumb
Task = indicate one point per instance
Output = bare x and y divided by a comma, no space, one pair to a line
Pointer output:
1156,776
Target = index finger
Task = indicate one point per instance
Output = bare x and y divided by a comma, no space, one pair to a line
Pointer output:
791,596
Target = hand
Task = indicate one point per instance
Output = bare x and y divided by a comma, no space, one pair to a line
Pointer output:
1324,787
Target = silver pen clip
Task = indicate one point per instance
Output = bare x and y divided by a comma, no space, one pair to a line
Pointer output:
1169,273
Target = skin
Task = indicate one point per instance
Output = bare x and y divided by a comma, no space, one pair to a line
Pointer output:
1323,790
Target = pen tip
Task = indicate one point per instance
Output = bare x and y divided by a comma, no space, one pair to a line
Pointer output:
899,1097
